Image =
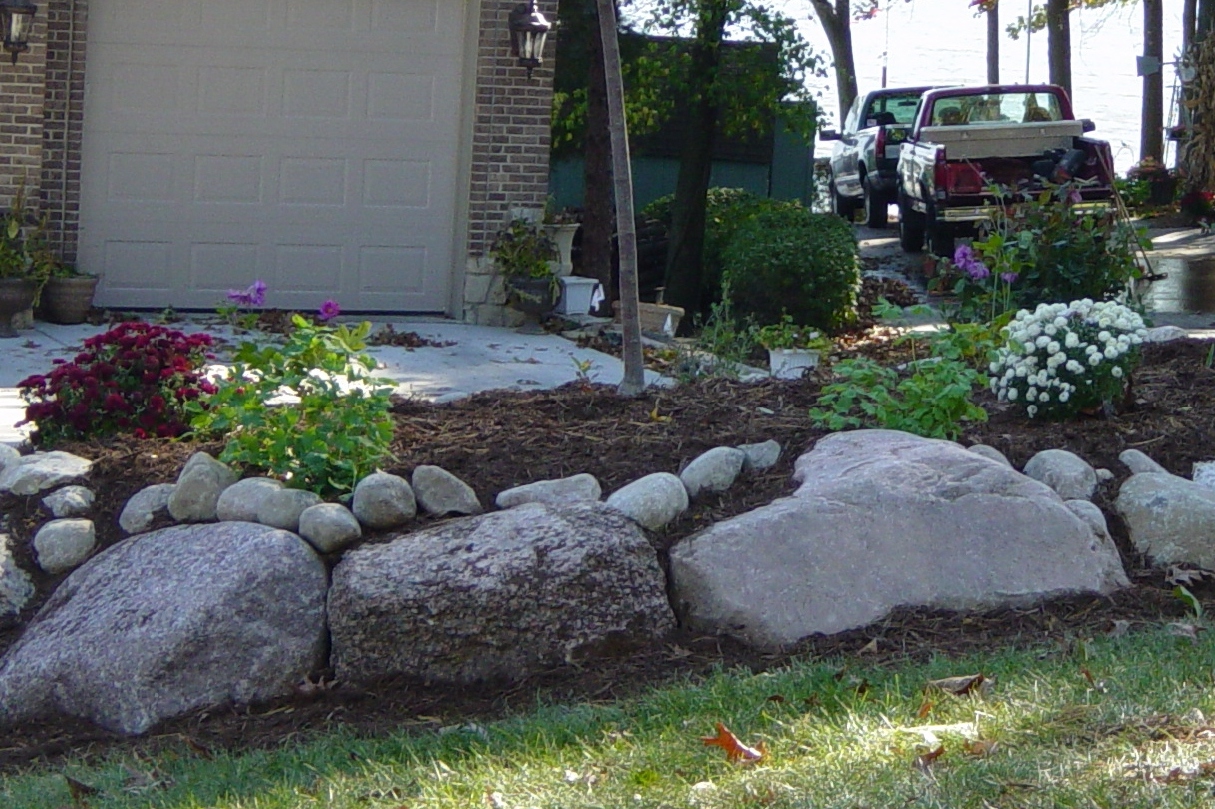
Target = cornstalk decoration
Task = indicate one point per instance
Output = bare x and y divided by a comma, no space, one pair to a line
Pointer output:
1198,151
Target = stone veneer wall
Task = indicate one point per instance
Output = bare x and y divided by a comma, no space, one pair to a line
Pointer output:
42,115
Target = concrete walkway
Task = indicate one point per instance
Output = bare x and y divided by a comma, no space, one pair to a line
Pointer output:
479,359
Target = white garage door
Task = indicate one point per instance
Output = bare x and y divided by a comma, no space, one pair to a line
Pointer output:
311,144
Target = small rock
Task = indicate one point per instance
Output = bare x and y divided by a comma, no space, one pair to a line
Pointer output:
990,452
1138,462
713,471
1169,518
242,499
70,501
758,457
144,507
562,491
439,492
651,501
282,509
1065,472
329,527
1104,475
384,501
16,589
43,470
1204,473
62,545
1165,334
199,486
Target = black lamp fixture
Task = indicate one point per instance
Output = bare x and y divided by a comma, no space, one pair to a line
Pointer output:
528,29
16,21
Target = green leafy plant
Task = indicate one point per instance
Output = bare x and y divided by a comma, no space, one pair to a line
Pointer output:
24,252
307,411
787,334
792,261
723,346
523,250
1183,594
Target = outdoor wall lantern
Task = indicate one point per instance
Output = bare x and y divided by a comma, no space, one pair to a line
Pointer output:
16,20
528,29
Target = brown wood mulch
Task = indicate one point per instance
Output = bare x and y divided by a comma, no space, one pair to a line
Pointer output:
498,440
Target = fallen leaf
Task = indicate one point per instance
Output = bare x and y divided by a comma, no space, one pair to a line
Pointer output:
1119,629
980,748
925,760
1189,599
776,698
1182,629
735,750
676,652
959,686
1098,686
1186,576
655,417
80,791
201,750
869,648
925,709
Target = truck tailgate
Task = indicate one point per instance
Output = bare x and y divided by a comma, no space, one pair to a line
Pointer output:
974,141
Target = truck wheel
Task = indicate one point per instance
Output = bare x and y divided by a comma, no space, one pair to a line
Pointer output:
841,206
911,228
875,207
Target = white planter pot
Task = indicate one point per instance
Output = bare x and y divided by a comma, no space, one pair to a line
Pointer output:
576,295
563,237
791,363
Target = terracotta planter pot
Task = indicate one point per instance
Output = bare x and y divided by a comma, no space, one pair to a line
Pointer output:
16,295
68,300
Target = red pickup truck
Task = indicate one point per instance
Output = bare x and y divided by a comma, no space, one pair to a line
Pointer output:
966,140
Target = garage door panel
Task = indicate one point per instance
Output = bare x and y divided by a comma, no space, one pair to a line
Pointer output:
314,149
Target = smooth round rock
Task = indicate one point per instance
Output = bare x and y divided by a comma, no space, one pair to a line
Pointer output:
382,500
242,499
329,527
282,509
651,501
62,545
70,501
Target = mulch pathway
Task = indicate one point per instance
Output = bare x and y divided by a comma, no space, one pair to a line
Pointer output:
498,440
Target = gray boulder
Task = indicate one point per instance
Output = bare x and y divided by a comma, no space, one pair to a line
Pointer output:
170,622
713,471
990,453
1204,473
70,501
199,486
1065,472
242,500
439,492
329,527
1169,518
384,501
63,544
43,470
506,594
761,456
144,507
1139,462
562,491
16,589
282,509
651,501
8,457
884,519
1165,334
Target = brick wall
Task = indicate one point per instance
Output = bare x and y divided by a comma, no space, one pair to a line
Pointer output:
63,111
21,118
510,146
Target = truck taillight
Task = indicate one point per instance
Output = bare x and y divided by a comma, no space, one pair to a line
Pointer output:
940,174
965,179
879,144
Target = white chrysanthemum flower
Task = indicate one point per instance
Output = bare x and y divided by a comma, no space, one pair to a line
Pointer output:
1044,397
1064,396
1042,342
1116,371
1032,410
1103,336
1052,347
1095,359
1074,366
1091,350
1049,329
1111,353
993,367
1071,340
1033,329
1012,394
1010,373
993,384
1031,395
1022,370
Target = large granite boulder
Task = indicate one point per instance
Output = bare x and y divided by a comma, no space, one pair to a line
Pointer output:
505,594
169,622
1169,518
16,588
885,519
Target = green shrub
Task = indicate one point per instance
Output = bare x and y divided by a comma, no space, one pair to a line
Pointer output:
791,260
336,434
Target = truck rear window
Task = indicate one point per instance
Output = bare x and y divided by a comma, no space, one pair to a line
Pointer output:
901,107
996,108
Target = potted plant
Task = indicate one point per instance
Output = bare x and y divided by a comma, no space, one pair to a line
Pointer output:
67,295
561,224
525,256
792,349
1162,183
21,274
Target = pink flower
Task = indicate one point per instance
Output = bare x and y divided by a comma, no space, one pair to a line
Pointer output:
254,295
328,311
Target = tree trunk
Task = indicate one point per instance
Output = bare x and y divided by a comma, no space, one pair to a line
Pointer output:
837,24
597,213
685,256
1059,44
634,369
1204,19
993,45
1151,126
1189,15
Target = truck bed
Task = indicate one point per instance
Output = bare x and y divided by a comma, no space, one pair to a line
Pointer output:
999,139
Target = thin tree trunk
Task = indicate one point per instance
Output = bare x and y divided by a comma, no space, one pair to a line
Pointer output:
1189,15
837,25
1151,126
1059,44
634,370
993,45
597,213
1204,19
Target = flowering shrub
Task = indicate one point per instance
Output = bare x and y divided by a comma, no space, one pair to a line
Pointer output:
1062,359
135,378
308,412
1198,205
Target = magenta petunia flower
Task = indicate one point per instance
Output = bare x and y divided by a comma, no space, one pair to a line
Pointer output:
328,311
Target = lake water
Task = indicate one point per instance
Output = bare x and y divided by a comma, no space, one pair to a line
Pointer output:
941,41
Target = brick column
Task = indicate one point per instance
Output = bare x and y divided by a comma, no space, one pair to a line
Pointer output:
21,110
510,150
63,120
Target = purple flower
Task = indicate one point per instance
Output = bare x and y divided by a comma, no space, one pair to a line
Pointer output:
966,261
1008,277
255,295
328,311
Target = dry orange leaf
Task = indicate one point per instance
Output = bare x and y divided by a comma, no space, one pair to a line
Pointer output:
925,760
925,709
960,686
980,748
735,750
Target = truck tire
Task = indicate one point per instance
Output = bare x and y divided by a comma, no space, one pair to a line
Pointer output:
911,227
941,237
841,206
875,207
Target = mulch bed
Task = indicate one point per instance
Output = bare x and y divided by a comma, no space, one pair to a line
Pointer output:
495,441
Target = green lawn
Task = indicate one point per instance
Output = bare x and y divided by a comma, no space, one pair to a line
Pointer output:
1135,734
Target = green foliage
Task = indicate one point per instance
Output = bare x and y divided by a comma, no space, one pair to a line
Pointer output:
1183,594
788,259
787,334
523,249
336,434
24,252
